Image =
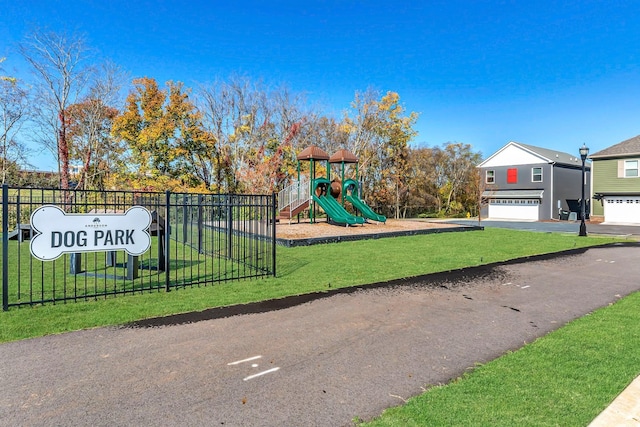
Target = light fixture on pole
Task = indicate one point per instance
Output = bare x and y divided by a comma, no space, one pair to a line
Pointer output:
584,152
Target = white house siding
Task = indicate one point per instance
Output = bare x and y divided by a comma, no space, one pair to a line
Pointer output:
512,155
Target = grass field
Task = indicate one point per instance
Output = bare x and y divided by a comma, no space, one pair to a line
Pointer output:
300,270
541,384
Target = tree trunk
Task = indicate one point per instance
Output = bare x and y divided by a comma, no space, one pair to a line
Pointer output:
63,152
82,182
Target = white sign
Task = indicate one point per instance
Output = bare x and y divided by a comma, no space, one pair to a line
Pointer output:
59,232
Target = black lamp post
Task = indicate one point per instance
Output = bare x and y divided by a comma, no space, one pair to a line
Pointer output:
584,152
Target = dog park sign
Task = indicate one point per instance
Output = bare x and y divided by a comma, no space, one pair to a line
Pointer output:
58,232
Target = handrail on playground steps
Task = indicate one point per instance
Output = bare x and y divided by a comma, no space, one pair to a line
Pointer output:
294,195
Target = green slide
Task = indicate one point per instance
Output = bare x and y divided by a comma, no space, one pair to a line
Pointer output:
336,212
366,211
350,189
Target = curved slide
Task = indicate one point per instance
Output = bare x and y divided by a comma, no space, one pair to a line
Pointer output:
350,189
366,211
336,212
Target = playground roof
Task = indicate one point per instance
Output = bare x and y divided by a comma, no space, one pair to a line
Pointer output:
343,156
313,153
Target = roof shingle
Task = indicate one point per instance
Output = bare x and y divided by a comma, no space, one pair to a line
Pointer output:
629,147
553,155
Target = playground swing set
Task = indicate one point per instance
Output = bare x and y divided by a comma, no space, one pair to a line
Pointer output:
330,195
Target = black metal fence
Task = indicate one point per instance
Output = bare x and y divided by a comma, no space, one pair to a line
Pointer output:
196,240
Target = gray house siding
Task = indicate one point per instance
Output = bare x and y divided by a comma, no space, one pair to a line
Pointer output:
568,186
524,182
560,183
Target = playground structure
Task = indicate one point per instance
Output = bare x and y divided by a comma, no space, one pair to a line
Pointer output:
330,195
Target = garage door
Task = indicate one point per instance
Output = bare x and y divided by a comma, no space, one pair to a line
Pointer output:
625,210
517,209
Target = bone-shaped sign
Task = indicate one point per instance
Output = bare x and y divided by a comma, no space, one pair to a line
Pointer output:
59,232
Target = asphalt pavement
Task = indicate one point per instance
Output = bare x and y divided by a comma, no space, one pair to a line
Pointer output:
322,360
621,230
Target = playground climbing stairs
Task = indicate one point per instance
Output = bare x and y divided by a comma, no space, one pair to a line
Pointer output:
293,199
288,212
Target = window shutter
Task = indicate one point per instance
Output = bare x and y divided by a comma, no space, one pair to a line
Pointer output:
620,168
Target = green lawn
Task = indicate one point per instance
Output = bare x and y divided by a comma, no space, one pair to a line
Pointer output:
299,270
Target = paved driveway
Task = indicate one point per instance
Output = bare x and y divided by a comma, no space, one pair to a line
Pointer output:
341,355
632,231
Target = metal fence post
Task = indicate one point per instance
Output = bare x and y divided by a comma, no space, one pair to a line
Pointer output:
230,199
200,225
274,203
5,247
167,238
185,211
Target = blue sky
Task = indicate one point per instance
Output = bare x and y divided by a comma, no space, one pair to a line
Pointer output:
552,74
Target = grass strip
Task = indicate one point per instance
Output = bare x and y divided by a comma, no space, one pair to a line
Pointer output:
301,270
565,378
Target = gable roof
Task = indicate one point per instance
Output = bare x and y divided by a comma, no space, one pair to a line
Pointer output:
546,155
629,147
554,155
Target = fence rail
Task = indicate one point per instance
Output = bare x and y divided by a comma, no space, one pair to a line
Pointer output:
196,240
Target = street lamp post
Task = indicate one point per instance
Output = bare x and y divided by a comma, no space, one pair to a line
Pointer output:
584,152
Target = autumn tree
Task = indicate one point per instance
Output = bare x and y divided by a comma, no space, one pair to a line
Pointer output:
89,127
397,133
447,173
58,63
458,169
162,131
379,133
227,109
283,133
421,179
258,132
13,112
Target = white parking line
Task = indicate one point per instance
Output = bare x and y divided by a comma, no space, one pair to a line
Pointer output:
268,371
237,362
525,287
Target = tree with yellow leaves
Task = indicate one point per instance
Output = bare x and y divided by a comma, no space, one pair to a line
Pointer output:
163,132
379,133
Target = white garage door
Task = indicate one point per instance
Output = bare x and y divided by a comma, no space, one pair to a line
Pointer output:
624,210
517,209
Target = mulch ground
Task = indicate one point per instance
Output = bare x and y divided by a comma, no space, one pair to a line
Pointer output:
305,230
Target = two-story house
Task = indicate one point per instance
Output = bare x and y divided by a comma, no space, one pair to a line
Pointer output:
523,182
616,183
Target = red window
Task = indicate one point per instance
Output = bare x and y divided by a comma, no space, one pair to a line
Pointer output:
512,176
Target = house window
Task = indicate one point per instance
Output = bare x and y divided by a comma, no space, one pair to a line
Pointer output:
536,174
630,168
512,176
490,177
